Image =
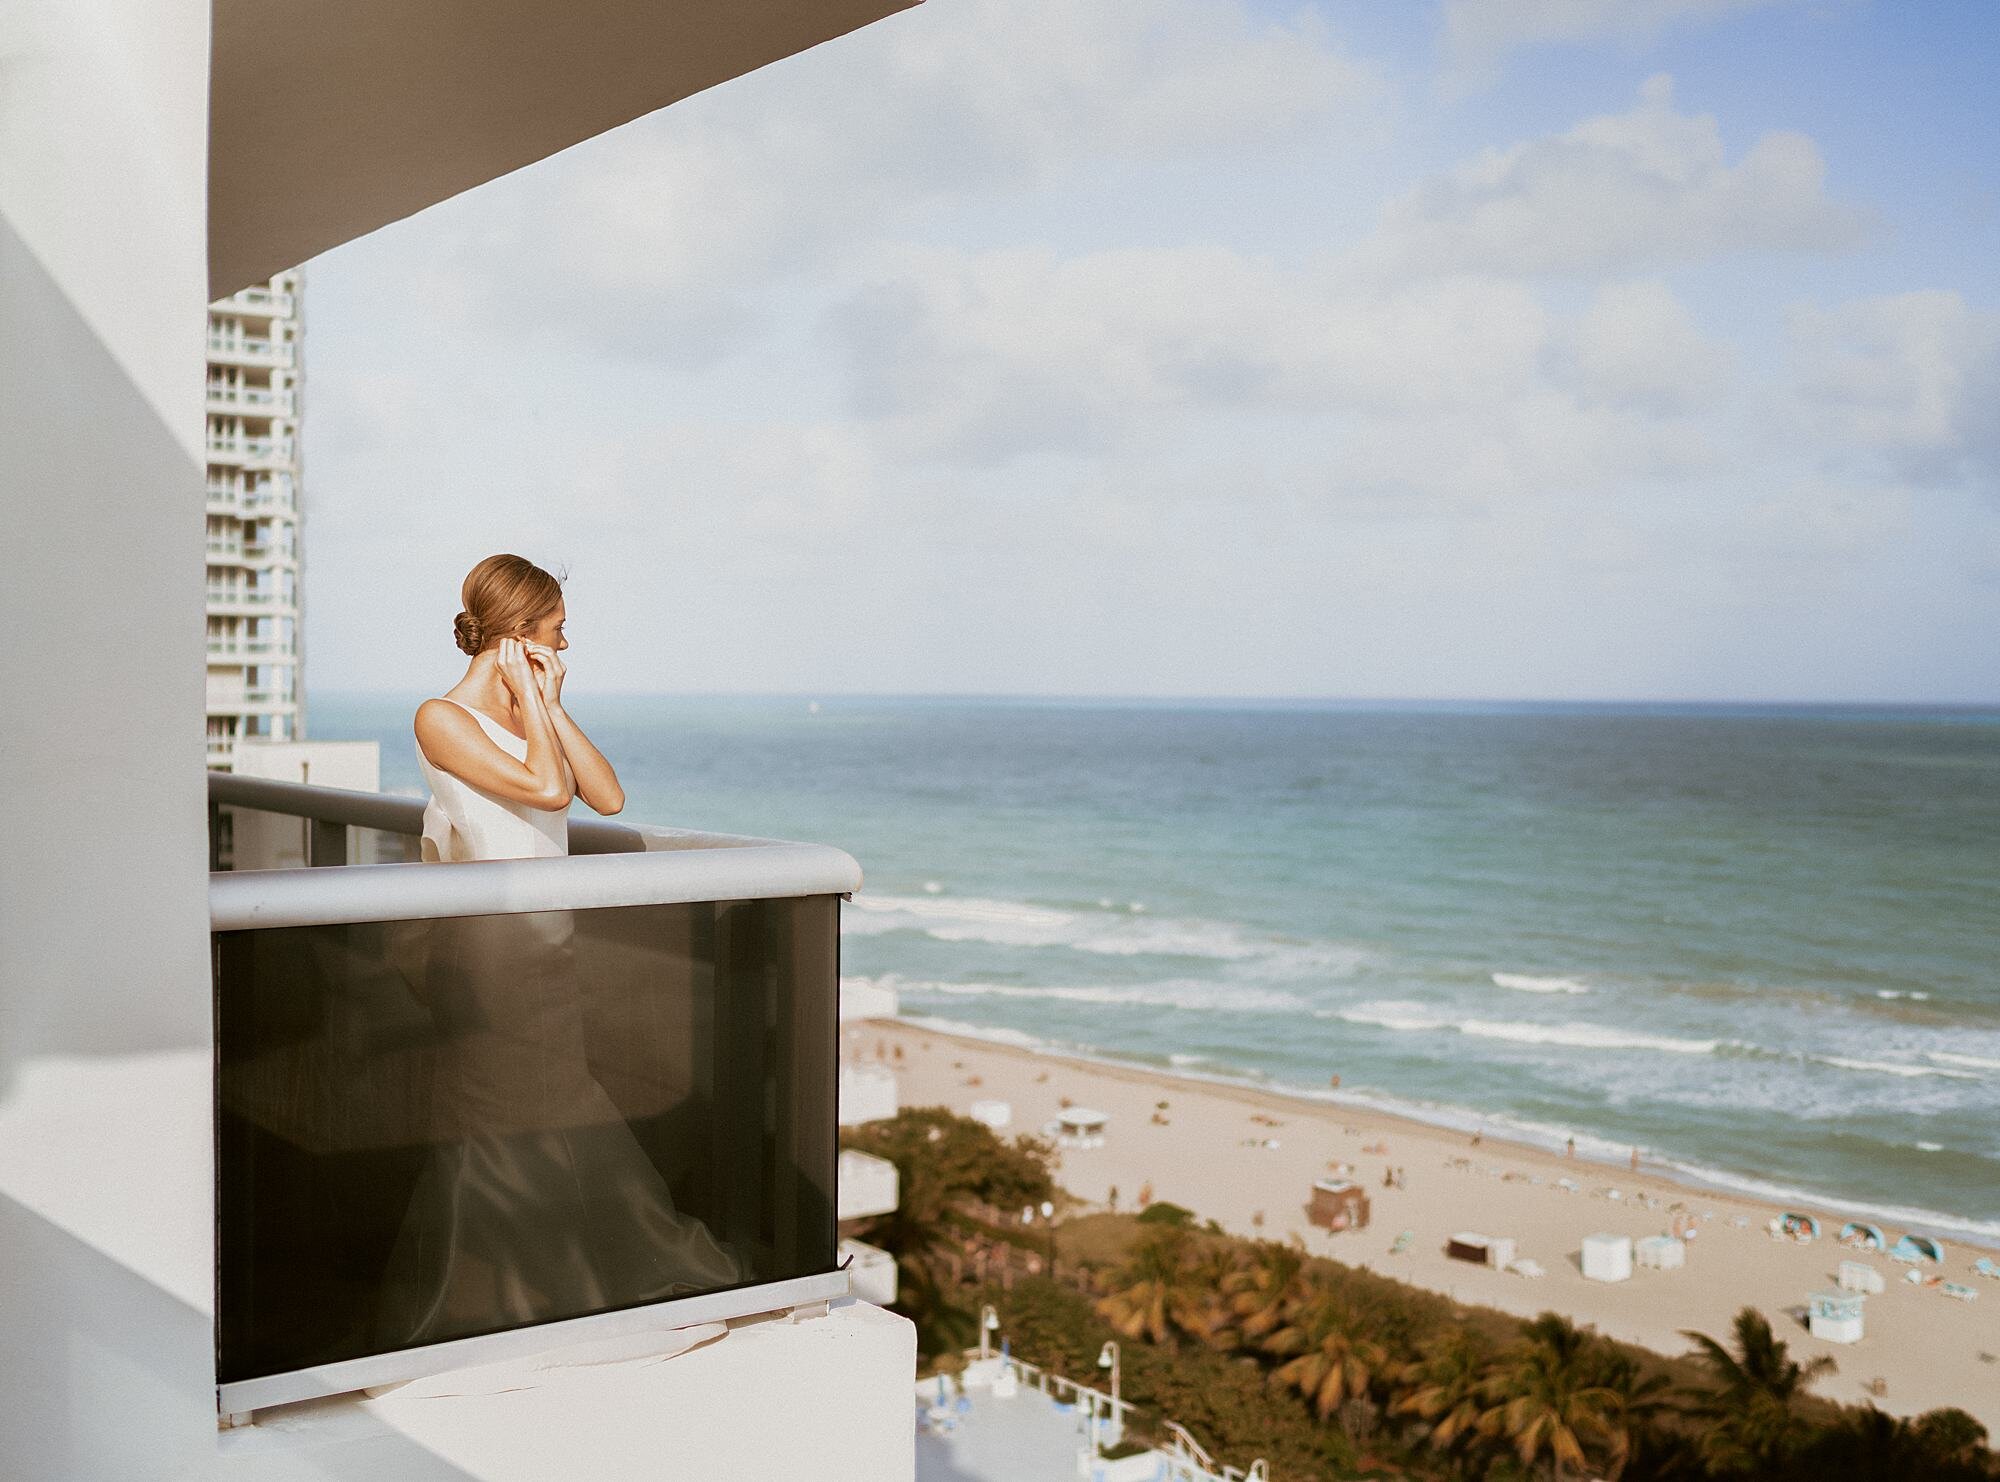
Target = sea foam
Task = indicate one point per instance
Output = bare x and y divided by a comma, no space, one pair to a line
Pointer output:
1413,1017
1107,933
1523,983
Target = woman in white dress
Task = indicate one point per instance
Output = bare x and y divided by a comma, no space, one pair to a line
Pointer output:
537,1202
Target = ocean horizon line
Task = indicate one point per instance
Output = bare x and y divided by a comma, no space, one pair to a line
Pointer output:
1818,708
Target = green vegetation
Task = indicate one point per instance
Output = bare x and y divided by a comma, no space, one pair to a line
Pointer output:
1325,1370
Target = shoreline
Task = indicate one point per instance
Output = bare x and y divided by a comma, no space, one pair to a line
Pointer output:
1245,1156
1500,1129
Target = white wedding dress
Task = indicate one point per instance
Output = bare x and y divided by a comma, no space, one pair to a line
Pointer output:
536,1202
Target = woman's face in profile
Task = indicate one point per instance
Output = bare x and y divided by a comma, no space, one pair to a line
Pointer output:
549,630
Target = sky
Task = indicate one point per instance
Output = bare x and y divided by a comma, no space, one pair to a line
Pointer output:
1502,349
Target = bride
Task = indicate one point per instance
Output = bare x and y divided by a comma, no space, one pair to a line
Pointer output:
536,1202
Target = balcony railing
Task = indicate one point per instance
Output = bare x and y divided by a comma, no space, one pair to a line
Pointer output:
249,351
472,1110
262,301
247,648
243,597
250,449
256,401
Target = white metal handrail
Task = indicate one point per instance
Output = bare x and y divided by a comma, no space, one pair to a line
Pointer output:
1053,1383
1188,1461
610,865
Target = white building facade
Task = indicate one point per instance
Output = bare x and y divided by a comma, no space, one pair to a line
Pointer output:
254,406
155,156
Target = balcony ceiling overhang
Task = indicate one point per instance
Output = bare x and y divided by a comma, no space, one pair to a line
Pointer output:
330,118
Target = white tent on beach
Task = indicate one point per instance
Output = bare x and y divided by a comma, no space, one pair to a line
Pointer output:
1607,1257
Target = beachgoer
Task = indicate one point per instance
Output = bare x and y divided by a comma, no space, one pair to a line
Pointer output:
1569,1148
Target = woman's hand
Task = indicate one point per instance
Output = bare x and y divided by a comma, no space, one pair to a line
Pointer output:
549,671
516,672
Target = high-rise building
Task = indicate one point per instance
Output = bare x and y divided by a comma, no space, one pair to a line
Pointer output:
254,411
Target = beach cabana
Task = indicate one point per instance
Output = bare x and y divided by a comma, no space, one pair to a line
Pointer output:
1835,1316
1915,1248
995,1114
1798,1225
1661,1253
1859,1276
1338,1204
1862,1237
1482,1250
1080,1127
1607,1257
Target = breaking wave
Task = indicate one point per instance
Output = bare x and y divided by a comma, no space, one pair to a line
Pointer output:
1120,931
1523,983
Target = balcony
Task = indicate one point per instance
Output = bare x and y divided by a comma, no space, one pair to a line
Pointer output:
246,650
225,601
234,350
868,1185
867,1094
249,450
251,401
256,303
469,1112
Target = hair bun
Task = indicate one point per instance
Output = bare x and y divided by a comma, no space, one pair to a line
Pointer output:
471,637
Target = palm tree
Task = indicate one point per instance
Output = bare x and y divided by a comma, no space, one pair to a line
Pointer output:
1941,1446
1638,1398
1206,1314
1444,1386
1156,1296
1746,1408
1547,1399
1327,1358
1263,1293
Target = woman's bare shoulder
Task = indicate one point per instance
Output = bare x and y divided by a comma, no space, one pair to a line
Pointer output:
443,720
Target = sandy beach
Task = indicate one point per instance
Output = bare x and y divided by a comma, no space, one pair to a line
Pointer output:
1233,1154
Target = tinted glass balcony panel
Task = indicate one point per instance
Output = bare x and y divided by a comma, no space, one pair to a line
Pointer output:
435,1129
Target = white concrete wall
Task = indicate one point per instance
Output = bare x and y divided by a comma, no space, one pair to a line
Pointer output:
105,1332
106,1176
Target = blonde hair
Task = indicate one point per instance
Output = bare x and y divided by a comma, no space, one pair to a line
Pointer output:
503,595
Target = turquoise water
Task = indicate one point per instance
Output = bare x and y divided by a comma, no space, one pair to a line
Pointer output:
1763,945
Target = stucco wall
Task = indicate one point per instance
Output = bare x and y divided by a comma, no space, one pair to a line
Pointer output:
103,944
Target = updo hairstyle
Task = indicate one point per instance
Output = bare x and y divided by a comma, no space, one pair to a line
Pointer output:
503,596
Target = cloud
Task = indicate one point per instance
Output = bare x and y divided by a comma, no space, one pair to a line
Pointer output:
982,357
662,238
1637,345
1617,193
1478,34
1914,377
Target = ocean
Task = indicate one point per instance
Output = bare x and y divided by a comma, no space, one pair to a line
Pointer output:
1760,944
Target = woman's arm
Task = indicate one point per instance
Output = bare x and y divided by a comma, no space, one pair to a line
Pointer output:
453,740
596,783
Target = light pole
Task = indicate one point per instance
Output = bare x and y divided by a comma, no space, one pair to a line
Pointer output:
1049,1218
989,1322
1107,1358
